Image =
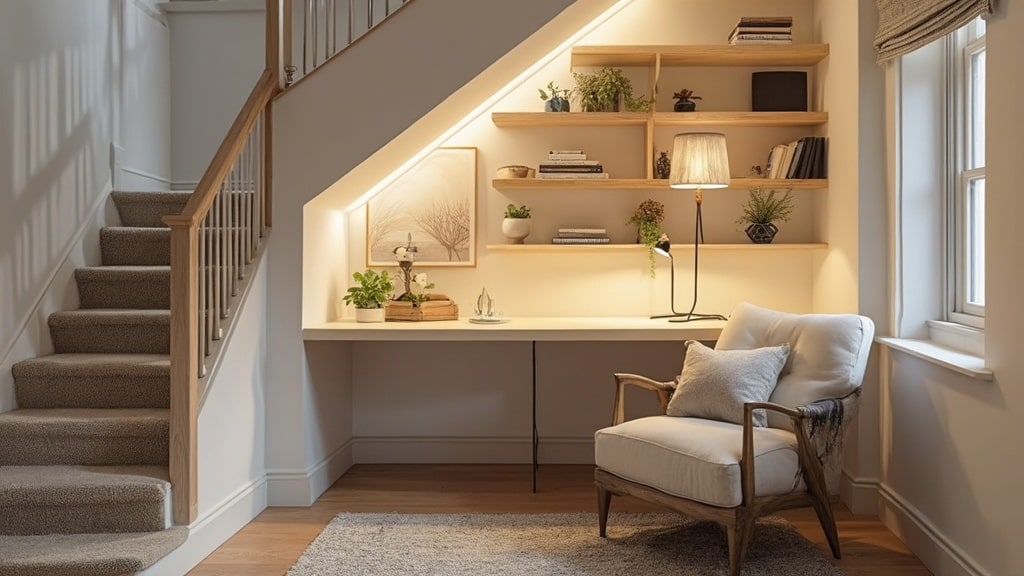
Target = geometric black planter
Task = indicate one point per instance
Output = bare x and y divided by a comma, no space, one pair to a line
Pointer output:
761,233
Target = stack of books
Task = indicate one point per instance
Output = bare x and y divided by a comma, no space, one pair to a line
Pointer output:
763,30
570,164
803,158
581,236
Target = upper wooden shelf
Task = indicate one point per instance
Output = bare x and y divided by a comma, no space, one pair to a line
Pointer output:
700,55
643,184
752,119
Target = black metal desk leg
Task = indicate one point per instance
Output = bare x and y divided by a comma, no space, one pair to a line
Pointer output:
536,438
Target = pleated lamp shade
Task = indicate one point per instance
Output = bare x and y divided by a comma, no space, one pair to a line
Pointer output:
699,160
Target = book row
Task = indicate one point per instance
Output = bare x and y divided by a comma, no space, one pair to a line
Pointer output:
800,159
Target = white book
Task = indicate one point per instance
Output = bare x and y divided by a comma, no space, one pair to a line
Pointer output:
573,162
572,175
557,156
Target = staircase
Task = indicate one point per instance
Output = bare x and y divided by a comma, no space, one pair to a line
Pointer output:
84,484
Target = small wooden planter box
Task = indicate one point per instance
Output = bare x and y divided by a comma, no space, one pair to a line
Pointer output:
429,310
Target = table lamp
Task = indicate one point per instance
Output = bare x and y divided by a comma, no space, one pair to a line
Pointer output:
700,161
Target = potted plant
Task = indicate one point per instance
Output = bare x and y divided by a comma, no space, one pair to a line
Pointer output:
369,296
607,90
516,224
763,209
648,217
555,99
685,101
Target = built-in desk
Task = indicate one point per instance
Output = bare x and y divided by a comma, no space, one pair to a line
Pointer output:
528,328
525,328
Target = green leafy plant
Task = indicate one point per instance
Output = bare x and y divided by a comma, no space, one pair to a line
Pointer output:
766,207
684,95
553,92
602,91
648,217
512,212
373,291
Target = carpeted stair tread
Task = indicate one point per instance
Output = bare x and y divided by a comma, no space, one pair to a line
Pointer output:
78,499
85,436
133,287
86,554
134,246
111,331
93,381
146,209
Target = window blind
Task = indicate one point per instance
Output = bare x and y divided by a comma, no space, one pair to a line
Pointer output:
905,25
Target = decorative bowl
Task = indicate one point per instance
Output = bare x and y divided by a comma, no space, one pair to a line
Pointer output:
514,171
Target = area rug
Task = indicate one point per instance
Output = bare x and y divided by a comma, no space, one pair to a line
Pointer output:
650,544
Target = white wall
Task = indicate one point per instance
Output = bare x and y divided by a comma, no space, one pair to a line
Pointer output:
217,55
951,469
316,144
78,80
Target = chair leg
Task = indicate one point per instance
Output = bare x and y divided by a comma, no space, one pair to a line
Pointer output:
604,501
828,525
739,540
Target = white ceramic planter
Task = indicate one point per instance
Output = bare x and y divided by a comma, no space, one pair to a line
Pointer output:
369,314
515,229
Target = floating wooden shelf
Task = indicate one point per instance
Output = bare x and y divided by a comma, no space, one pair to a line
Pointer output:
700,55
563,248
581,119
752,119
643,184
546,119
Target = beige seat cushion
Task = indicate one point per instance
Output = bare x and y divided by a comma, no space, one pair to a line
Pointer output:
697,459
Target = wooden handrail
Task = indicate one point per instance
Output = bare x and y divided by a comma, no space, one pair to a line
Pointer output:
202,198
213,242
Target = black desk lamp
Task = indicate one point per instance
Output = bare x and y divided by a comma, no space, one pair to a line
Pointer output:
699,160
663,248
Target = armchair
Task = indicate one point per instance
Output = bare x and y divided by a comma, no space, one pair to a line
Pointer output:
752,458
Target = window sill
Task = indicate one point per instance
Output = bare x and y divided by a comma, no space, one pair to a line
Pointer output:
967,364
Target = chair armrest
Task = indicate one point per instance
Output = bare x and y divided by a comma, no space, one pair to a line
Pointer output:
662,389
826,416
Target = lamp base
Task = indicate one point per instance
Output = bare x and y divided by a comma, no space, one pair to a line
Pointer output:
693,316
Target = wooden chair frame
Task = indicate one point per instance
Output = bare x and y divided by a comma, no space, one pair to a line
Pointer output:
738,521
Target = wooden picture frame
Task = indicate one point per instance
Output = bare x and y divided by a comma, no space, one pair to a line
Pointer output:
435,203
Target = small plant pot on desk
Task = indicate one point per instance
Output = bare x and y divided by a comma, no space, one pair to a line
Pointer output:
369,314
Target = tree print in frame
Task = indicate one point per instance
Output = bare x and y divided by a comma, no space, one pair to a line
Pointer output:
435,203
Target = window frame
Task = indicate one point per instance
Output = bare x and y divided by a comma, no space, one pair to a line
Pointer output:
964,45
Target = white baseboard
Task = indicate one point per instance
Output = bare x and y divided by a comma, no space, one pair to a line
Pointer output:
213,529
470,450
935,550
302,487
859,494
565,450
135,179
181,185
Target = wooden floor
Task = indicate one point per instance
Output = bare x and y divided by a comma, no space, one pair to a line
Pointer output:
271,543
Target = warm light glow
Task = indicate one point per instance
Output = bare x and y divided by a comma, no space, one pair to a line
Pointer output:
699,160
487,104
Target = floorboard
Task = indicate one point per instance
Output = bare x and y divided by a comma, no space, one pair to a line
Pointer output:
274,540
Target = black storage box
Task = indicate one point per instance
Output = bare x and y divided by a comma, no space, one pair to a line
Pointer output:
782,91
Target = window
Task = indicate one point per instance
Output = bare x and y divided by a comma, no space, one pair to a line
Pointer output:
967,202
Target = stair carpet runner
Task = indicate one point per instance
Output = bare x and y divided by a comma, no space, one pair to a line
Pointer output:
83,459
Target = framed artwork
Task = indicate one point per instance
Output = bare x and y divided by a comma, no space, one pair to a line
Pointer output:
433,206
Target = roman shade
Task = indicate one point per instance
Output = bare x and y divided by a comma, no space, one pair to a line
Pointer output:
906,25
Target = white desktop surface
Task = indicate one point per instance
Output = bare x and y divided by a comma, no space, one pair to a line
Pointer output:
521,328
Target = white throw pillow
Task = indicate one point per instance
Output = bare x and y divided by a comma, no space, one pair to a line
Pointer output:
716,383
